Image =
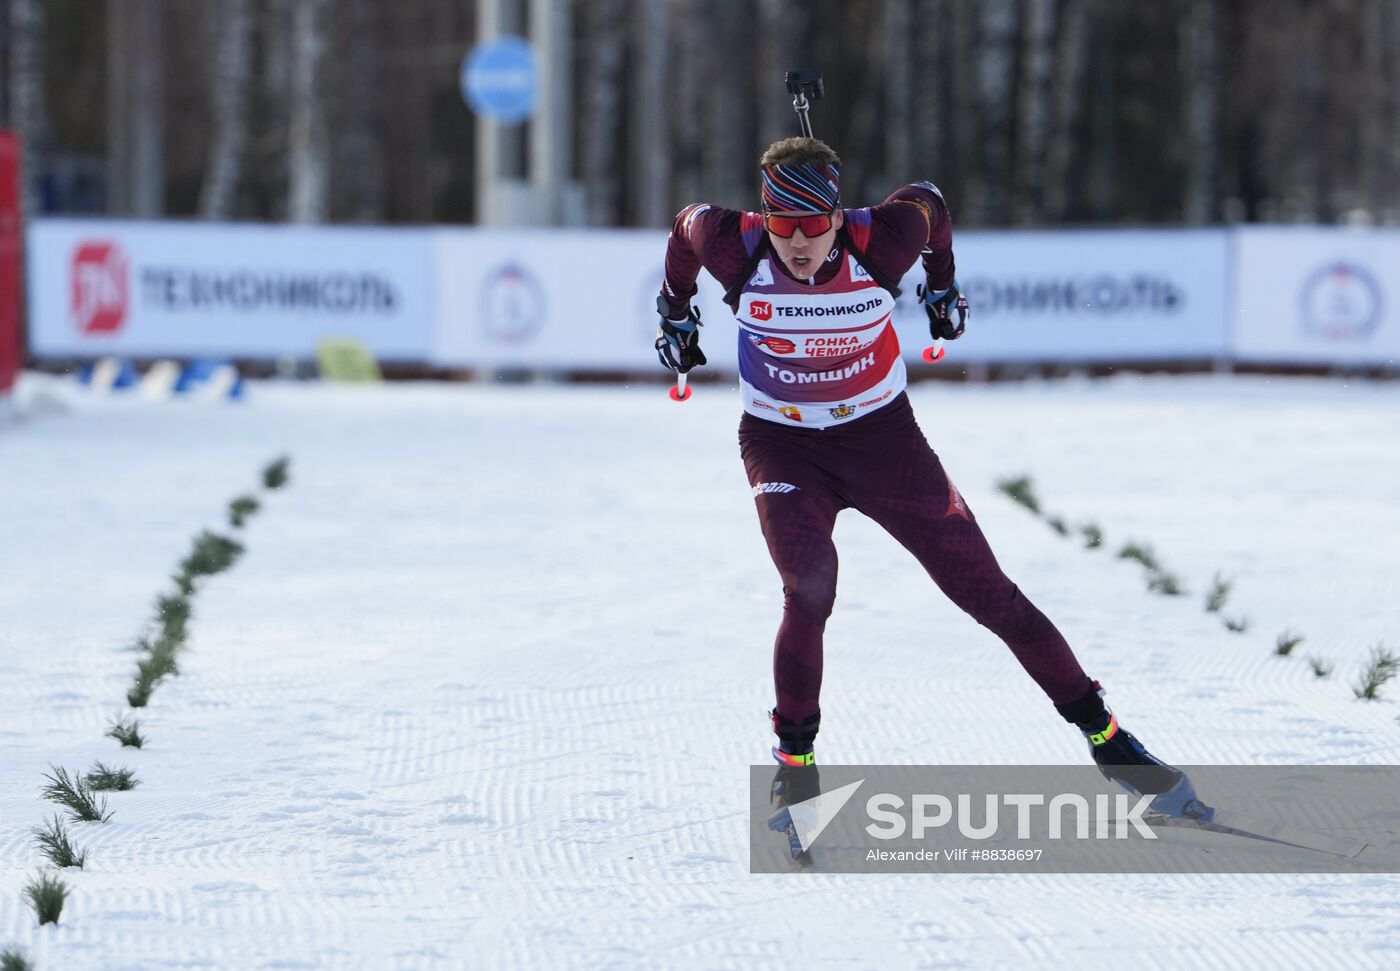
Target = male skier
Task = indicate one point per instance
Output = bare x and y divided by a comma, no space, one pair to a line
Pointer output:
827,425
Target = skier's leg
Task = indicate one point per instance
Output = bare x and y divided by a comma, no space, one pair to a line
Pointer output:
797,511
904,488
906,491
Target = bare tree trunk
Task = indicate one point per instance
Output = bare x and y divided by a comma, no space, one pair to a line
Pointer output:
688,108
996,59
27,109
929,89
775,53
1066,85
603,42
1200,69
232,67
899,92
1032,111
724,125
651,142
1373,105
1391,164
358,170
308,151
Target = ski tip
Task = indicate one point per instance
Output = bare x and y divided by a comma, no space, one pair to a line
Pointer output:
679,394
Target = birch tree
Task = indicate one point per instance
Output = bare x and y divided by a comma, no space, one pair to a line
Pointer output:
1199,40
1032,109
602,94
232,65
27,110
307,149
1066,92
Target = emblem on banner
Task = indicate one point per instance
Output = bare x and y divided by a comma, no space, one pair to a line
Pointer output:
514,305
100,287
1340,301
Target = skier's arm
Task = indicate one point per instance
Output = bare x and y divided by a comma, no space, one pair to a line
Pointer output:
701,236
914,222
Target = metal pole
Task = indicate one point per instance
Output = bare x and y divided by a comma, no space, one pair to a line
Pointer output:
497,147
550,141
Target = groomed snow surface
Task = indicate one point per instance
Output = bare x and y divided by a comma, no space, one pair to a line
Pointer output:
483,690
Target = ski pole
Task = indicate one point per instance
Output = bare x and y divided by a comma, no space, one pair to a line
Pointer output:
680,392
934,354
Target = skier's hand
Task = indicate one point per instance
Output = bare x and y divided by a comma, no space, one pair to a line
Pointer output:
678,341
947,311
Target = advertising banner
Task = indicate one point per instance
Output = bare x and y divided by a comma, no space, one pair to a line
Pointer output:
562,300
570,300
1316,295
1082,296
9,260
155,289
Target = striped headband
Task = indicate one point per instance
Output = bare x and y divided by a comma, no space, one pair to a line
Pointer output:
806,187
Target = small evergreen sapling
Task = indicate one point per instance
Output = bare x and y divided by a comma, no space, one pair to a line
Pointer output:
102,778
53,842
173,616
1382,667
1320,668
1093,536
240,509
1287,641
126,732
1058,525
1160,581
1140,553
13,959
1218,594
46,895
275,475
75,795
1237,625
1020,491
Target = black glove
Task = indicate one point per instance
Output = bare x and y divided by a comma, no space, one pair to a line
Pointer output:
941,307
678,341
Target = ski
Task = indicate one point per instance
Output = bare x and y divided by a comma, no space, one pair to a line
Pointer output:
1268,830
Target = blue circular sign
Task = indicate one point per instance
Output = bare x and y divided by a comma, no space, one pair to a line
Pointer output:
498,79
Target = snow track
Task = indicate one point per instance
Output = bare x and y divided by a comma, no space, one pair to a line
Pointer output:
483,690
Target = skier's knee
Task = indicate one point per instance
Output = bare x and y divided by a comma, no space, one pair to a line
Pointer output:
811,596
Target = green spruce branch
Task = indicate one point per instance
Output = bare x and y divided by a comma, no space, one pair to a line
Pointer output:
210,554
74,794
240,509
52,840
275,475
126,732
1237,625
1058,525
1320,668
1140,553
1218,594
1286,642
46,895
159,662
103,778
1020,491
13,959
173,616
1382,667
1167,584
1093,536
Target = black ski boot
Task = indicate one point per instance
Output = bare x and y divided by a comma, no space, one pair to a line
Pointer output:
796,780
1124,760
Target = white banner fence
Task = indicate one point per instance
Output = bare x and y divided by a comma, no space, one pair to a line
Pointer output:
583,300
